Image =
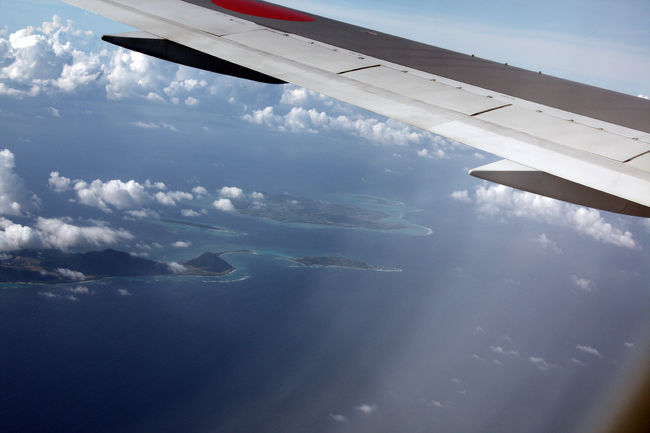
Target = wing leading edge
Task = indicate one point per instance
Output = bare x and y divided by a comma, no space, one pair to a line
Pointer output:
561,139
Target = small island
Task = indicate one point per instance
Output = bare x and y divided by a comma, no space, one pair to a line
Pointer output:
333,261
55,266
285,208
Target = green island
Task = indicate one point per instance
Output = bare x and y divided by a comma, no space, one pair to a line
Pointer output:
55,266
336,261
289,209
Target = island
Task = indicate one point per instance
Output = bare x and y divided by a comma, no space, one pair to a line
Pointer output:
290,209
55,266
336,261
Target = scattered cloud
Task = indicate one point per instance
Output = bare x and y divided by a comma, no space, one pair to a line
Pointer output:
366,409
155,125
589,350
176,268
70,274
507,202
546,243
51,295
59,233
224,204
54,112
181,244
628,344
462,195
123,292
583,283
142,213
577,362
79,290
170,198
540,363
506,352
199,190
15,198
231,192
189,213
338,417
59,183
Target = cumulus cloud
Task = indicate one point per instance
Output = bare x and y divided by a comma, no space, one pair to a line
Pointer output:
589,350
540,363
79,290
15,199
181,244
142,213
176,268
231,192
583,283
338,417
70,274
257,195
117,194
199,190
171,197
154,125
507,202
366,409
223,204
189,213
462,195
301,120
59,183
506,352
546,243
57,233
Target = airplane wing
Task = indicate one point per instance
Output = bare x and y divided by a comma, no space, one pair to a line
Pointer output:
557,138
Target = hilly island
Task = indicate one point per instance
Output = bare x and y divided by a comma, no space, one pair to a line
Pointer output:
55,266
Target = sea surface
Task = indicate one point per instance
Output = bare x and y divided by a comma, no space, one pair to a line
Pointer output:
275,347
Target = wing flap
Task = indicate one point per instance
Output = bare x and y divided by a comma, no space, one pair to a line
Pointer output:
510,173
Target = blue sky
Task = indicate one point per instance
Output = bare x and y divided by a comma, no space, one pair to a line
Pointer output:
97,141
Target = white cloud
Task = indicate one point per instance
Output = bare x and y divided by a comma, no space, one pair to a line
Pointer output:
170,198
181,244
231,192
462,195
70,274
121,195
545,242
54,112
301,120
61,234
583,283
199,190
189,213
59,183
507,202
224,204
425,153
257,195
15,199
628,344
51,295
338,417
589,350
142,213
366,409
506,352
123,292
540,363
154,125
79,290
191,101
176,268
577,361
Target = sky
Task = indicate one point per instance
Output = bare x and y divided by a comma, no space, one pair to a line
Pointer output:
96,140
